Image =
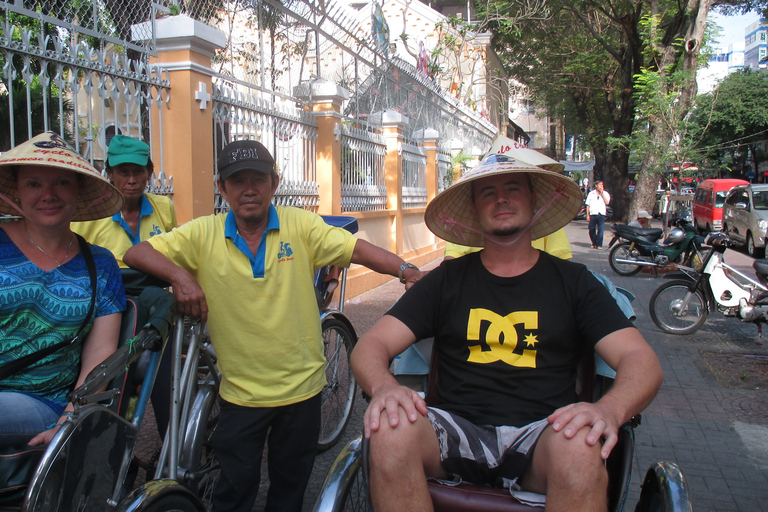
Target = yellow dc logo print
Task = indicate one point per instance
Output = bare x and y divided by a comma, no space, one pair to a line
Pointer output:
505,350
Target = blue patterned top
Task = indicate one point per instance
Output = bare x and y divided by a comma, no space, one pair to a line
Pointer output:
39,309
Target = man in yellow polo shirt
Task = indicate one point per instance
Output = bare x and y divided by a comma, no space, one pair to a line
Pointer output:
249,273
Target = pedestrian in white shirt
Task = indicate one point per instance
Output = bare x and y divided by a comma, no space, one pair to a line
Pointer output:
596,203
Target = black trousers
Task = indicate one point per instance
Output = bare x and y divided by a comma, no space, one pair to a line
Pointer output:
290,432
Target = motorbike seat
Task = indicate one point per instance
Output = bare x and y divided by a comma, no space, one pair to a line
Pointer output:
651,233
761,268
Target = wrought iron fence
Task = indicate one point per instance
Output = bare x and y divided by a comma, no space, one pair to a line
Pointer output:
127,23
241,111
82,69
444,170
279,45
68,71
414,175
362,170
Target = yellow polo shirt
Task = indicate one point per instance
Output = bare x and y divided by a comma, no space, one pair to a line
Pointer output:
262,311
556,244
157,216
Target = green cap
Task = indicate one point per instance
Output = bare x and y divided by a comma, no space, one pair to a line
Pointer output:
123,149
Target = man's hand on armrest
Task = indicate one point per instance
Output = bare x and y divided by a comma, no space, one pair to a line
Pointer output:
370,363
189,295
387,401
638,379
572,418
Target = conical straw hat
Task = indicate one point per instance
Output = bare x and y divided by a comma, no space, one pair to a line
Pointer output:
450,216
505,146
98,198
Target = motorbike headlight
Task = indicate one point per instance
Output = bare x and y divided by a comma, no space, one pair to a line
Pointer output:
762,224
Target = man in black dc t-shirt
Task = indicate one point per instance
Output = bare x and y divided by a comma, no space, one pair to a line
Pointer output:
558,309
510,326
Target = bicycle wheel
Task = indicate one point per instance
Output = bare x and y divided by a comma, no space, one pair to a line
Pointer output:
172,503
338,395
623,251
664,490
345,488
355,498
198,456
667,312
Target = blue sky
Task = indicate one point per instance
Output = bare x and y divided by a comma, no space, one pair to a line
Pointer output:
732,27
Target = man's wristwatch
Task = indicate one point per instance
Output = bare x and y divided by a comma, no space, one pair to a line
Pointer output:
402,269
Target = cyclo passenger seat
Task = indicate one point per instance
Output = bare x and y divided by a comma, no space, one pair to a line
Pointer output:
146,301
466,497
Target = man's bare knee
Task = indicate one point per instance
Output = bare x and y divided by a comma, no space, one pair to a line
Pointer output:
569,463
401,458
581,460
408,444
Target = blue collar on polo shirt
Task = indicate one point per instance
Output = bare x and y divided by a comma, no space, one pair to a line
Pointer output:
257,261
146,209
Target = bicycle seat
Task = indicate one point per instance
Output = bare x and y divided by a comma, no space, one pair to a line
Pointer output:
339,221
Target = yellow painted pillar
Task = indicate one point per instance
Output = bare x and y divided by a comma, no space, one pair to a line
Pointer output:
326,99
185,48
457,147
431,138
393,124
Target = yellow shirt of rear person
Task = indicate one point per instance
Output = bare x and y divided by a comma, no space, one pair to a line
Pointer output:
555,244
262,311
157,216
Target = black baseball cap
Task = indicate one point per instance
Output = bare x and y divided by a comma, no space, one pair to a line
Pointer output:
244,154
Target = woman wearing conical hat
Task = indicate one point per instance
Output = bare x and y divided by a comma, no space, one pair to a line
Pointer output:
45,285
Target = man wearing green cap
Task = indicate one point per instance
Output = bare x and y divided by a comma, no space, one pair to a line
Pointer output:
144,215
510,325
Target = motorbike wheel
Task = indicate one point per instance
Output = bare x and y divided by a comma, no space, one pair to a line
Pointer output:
752,249
623,251
666,308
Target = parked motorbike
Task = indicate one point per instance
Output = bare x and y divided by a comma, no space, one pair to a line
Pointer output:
633,248
681,306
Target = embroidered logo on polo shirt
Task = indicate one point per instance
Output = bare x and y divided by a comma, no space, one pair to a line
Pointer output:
500,342
285,252
155,230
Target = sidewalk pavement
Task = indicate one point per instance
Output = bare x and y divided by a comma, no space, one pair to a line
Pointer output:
717,435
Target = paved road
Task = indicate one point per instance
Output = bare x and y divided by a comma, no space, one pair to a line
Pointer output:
718,435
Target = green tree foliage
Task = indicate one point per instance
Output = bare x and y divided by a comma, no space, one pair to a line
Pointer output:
596,62
578,63
731,123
